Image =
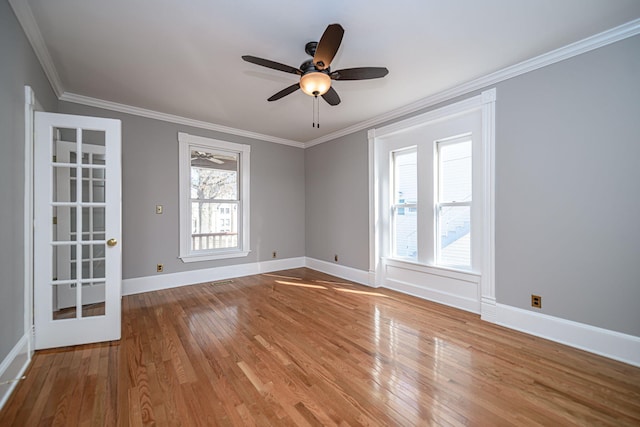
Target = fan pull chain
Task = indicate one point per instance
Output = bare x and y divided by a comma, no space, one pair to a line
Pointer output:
313,118
316,112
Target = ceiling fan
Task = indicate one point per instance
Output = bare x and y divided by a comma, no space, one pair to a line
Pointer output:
315,74
213,158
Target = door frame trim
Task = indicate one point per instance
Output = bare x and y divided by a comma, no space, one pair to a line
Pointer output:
31,105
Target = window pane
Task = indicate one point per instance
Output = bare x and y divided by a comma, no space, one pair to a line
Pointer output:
406,176
405,218
405,233
214,225
214,175
454,223
455,172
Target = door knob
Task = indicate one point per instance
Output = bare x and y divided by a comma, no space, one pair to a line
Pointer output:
112,242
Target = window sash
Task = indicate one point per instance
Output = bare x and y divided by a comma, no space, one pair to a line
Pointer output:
213,236
460,255
215,241
404,214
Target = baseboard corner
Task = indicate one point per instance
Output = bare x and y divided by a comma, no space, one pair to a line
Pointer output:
13,367
348,273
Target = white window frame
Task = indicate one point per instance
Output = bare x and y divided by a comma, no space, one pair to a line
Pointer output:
187,143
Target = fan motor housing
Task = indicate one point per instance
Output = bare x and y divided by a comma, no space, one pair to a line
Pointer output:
310,48
309,67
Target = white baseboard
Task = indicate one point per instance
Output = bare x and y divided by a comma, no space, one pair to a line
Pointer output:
488,311
13,367
173,280
614,345
344,272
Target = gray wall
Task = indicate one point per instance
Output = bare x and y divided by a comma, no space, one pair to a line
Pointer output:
337,198
18,67
567,190
150,178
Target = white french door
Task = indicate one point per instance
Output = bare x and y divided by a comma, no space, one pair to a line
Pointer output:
77,230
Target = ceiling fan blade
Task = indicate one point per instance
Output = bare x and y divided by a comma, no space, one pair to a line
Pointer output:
272,64
331,97
328,46
209,159
284,92
362,73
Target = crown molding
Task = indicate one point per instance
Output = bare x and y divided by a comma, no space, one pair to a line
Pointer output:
25,16
596,41
151,114
27,21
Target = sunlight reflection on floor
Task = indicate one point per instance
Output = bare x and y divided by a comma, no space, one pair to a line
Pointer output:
354,291
329,282
282,277
301,285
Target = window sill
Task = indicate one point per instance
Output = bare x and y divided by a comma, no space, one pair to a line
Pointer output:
213,256
468,276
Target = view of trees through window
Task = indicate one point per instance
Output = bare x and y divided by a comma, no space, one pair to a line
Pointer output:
214,200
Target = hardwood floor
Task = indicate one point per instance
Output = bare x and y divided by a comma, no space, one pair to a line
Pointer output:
302,348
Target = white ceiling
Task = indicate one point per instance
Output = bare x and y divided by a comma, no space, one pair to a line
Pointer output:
183,57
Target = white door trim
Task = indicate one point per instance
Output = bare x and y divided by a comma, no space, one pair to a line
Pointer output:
31,105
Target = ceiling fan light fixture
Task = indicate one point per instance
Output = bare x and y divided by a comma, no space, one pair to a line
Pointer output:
315,83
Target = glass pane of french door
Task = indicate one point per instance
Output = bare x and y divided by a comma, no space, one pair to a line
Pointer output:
78,242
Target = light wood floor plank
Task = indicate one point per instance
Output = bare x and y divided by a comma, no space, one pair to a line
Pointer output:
301,348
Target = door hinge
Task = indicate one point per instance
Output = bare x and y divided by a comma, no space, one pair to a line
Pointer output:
55,220
55,158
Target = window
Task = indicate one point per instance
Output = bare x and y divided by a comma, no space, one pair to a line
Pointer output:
453,203
451,227
214,198
404,208
450,153
431,199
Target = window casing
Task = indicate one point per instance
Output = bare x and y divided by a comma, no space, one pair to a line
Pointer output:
471,289
214,198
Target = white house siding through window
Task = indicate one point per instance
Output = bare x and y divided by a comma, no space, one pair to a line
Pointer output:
404,210
453,202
